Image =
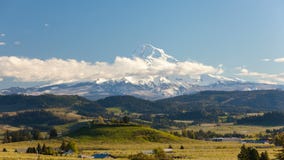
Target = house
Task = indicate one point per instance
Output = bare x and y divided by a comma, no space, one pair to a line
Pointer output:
103,155
84,156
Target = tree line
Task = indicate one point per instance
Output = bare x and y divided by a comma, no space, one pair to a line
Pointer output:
202,135
250,153
69,146
27,134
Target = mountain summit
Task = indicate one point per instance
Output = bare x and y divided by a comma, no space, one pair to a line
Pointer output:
149,52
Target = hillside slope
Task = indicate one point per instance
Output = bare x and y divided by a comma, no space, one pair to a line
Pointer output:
131,104
14,103
123,133
233,101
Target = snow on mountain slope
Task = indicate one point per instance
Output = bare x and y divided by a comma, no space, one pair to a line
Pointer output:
164,77
149,53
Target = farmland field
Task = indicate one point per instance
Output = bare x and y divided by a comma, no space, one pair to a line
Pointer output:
193,149
230,128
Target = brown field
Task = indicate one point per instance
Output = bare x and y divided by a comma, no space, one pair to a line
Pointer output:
230,128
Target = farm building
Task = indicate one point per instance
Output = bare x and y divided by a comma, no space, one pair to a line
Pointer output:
103,155
230,139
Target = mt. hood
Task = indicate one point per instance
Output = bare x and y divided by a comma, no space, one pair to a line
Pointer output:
152,74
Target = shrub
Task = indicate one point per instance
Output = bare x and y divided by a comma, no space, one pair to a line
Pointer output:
160,154
141,156
249,153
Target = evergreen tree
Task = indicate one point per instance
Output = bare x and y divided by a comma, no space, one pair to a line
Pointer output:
49,151
125,119
101,120
248,153
141,156
280,155
38,148
253,154
28,150
160,154
243,155
43,149
6,137
191,134
36,134
72,146
264,156
63,146
53,133
31,150
184,133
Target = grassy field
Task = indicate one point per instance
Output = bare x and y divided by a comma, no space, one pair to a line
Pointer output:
222,129
197,150
123,133
123,141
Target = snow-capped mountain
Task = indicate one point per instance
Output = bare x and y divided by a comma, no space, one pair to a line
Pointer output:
149,53
172,80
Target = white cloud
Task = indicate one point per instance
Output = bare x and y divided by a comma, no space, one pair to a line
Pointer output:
2,43
279,60
17,43
46,25
58,70
2,34
266,60
262,77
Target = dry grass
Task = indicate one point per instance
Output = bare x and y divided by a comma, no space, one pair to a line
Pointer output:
197,150
242,129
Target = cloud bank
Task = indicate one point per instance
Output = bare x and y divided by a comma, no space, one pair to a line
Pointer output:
2,43
56,70
277,60
262,77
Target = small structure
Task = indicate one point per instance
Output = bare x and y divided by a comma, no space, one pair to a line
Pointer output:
168,150
230,139
102,156
84,156
261,141
148,152
69,152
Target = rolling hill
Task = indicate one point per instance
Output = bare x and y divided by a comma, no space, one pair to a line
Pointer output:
130,104
12,103
207,105
123,133
228,101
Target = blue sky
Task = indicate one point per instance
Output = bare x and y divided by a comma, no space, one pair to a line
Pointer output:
245,36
